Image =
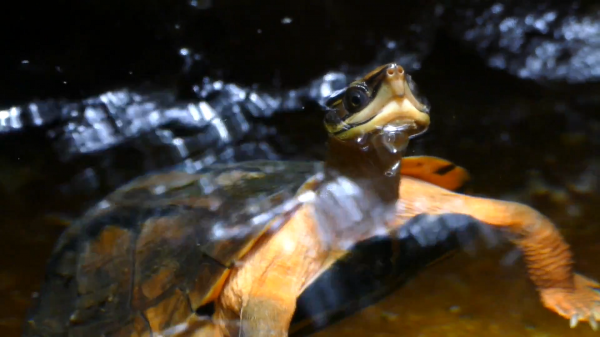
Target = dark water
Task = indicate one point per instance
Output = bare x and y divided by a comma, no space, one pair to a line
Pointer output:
520,141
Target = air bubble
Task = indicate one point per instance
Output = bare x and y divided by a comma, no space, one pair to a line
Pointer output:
392,171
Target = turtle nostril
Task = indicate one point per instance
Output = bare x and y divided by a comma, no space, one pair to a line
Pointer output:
394,70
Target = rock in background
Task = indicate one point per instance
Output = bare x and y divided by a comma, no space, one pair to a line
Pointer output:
96,93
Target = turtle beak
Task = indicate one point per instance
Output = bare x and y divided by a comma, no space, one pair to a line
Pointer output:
398,108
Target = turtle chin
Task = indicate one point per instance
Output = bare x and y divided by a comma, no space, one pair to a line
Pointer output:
409,127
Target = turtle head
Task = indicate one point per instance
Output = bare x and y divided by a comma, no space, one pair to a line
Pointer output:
385,99
369,124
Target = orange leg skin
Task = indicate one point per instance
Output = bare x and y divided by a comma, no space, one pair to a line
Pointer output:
259,298
435,170
547,255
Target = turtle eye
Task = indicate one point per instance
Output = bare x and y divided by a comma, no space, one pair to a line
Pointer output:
413,87
356,99
415,91
412,84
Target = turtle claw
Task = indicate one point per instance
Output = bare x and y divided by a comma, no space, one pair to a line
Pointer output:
580,304
593,322
574,321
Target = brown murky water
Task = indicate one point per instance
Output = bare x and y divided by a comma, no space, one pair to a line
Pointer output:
468,296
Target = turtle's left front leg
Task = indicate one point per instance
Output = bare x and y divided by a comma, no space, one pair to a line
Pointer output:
548,257
259,298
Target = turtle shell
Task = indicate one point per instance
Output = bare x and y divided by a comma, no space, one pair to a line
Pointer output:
150,254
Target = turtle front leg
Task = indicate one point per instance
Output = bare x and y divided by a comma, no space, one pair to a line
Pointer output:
259,298
257,306
547,255
263,317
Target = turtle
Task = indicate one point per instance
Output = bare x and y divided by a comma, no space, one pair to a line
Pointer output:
256,248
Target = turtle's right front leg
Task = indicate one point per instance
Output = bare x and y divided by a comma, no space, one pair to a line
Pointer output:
257,305
263,317
259,298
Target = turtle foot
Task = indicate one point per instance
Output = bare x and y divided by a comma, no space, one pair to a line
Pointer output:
581,304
